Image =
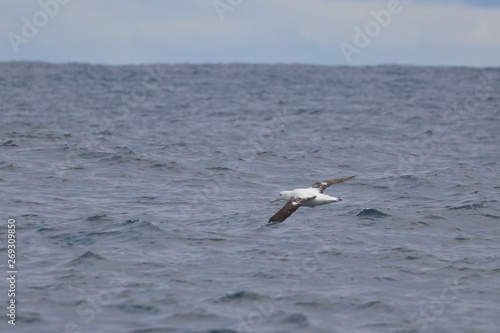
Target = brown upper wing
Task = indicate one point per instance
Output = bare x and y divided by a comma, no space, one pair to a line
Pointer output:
325,183
291,206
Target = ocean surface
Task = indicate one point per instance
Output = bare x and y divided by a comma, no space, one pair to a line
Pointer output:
141,198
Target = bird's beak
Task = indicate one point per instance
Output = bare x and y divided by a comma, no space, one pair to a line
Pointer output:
274,200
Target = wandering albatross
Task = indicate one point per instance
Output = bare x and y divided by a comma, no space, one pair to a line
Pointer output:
311,197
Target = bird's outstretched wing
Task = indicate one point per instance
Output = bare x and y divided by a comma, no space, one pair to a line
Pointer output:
291,206
321,186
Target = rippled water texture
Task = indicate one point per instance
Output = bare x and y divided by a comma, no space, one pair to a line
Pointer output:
141,198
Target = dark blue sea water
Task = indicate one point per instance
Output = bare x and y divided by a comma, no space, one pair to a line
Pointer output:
140,195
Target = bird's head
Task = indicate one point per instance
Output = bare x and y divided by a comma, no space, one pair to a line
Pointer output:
284,195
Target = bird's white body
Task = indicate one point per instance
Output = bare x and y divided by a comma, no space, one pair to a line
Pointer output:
311,197
321,199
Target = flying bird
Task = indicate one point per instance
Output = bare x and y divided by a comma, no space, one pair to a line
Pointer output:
311,197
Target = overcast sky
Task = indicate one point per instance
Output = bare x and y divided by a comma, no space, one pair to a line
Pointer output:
330,32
